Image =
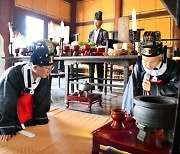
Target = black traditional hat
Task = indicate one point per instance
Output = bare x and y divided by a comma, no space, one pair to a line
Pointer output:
43,53
151,44
98,15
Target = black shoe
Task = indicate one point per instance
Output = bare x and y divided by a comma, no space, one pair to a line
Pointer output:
100,90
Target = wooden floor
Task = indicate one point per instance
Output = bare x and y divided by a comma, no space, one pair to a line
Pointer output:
109,101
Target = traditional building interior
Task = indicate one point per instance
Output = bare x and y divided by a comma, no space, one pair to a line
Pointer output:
86,128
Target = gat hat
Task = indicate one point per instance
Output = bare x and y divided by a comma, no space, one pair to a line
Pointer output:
43,53
98,15
151,44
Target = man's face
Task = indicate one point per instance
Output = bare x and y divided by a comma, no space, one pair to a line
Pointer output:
151,62
42,71
97,23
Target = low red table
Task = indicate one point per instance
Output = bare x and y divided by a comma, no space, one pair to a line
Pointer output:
126,140
91,99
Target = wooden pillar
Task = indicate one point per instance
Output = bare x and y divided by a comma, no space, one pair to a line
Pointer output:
118,12
73,17
176,32
6,15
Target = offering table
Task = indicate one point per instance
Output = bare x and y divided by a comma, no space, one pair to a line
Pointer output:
69,61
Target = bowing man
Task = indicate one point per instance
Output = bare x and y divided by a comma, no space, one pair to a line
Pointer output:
25,92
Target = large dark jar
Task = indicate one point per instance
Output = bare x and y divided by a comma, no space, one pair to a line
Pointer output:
155,112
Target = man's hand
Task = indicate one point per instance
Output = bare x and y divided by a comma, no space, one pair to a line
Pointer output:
146,85
6,137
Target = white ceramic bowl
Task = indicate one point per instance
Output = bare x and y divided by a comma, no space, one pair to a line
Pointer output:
117,46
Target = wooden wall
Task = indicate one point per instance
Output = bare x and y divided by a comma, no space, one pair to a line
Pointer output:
151,15
58,9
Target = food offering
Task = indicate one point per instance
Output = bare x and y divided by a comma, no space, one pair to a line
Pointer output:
118,52
119,49
87,48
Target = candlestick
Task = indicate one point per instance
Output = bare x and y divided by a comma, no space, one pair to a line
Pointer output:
134,52
11,54
51,30
134,20
62,30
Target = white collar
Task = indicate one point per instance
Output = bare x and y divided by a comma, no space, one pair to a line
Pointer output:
33,83
160,71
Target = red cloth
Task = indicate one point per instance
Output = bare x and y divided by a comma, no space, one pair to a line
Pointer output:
158,81
25,107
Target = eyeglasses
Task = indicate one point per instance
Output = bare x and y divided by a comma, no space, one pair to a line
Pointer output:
49,68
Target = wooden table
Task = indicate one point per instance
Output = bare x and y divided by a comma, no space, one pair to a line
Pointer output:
123,60
126,140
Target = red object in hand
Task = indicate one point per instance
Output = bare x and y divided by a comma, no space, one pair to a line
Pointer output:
25,108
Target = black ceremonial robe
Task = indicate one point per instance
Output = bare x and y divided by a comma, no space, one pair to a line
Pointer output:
11,87
169,87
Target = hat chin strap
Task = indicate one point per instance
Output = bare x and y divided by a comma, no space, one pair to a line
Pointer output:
158,72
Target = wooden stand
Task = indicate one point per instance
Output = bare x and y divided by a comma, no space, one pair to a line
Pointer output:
126,140
91,99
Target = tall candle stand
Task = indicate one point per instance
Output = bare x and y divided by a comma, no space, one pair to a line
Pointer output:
11,54
61,44
134,52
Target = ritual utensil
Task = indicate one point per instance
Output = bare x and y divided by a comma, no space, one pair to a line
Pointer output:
86,87
75,50
17,52
66,50
154,113
134,52
86,48
118,116
61,45
101,48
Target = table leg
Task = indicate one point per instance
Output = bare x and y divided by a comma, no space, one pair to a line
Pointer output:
72,76
111,76
100,102
126,71
77,74
105,76
96,146
91,73
66,80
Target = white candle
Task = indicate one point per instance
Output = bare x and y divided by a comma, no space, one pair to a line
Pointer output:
134,20
62,30
51,30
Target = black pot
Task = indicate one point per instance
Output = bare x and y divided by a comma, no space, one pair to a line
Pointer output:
155,112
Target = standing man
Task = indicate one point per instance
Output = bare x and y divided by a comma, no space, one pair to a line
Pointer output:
153,74
25,92
99,36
